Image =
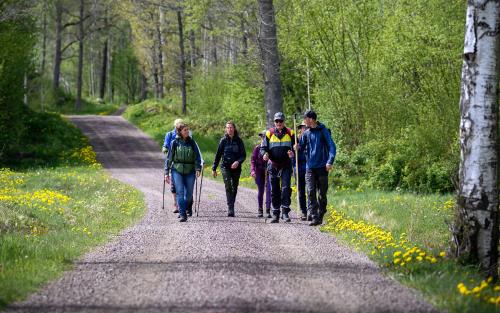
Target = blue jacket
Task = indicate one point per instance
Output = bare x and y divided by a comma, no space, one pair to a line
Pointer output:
318,146
169,137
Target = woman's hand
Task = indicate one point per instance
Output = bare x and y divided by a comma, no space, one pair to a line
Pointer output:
253,174
198,173
167,179
214,174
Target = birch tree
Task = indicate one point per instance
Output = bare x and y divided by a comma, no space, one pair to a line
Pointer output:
476,224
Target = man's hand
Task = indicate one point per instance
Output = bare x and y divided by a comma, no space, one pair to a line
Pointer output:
235,165
164,150
167,179
198,173
214,174
290,154
328,167
265,156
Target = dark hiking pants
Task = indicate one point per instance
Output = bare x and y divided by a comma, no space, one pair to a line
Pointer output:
231,181
317,186
281,190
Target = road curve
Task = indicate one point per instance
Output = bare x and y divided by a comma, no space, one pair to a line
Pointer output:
212,263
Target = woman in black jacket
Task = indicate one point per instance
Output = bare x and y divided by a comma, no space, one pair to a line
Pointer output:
232,151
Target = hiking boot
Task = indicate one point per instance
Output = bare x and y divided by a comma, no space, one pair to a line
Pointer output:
315,222
183,219
275,219
260,213
286,218
303,217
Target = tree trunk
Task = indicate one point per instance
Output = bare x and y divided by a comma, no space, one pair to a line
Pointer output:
268,44
182,61
155,70
58,48
161,71
78,102
44,56
476,225
192,48
244,40
102,84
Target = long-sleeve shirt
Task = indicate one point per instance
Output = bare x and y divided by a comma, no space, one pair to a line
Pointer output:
229,150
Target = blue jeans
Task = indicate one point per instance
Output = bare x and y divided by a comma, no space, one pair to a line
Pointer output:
280,192
184,185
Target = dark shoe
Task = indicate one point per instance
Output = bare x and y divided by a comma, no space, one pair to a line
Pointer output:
286,218
315,222
189,212
275,219
303,217
260,213
183,219
309,217
268,215
176,210
230,213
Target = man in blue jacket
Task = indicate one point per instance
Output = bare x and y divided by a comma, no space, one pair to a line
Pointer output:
320,150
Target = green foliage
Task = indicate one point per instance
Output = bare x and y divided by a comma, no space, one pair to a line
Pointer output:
17,41
125,74
384,78
48,140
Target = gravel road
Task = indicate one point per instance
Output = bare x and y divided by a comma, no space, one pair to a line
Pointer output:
212,263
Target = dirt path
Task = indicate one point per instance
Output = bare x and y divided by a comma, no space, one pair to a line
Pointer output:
212,263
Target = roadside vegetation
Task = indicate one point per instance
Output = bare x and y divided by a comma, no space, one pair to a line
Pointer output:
56,205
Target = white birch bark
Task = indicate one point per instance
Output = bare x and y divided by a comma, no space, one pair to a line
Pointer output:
476,228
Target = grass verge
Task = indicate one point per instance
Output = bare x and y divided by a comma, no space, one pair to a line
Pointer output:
50,217
407,235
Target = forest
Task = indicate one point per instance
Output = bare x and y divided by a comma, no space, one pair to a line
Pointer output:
384,76
393,80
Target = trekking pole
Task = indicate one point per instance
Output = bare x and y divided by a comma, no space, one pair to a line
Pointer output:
163,201
265,191
199,194
195,193
296,162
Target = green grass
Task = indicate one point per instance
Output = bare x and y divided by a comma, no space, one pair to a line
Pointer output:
421,220
42,232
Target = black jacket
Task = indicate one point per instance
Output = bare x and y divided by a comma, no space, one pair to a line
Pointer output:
230,150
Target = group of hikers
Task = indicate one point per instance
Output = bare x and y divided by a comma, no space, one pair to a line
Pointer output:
272,165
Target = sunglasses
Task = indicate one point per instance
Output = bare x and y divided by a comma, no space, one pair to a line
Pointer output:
278,121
